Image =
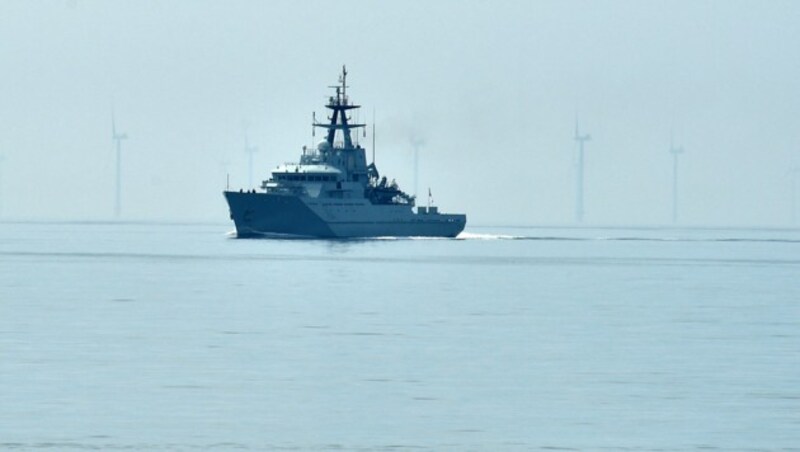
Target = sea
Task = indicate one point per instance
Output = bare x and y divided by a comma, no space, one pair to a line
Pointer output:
173,337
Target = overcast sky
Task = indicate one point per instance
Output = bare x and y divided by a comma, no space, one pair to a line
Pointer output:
492,88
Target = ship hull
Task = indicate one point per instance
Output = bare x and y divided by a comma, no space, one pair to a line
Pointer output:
267,214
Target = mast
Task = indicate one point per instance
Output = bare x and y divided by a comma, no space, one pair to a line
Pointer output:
340,104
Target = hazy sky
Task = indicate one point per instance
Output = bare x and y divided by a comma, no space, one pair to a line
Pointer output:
491,87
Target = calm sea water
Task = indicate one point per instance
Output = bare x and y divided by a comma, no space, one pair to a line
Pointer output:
179,337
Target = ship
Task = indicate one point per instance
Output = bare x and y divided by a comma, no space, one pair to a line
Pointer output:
333,193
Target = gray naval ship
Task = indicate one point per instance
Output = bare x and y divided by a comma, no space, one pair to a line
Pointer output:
333,193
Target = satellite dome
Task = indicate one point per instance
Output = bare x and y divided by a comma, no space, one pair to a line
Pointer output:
323,145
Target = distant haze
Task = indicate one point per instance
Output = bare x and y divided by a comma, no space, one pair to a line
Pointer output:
491,88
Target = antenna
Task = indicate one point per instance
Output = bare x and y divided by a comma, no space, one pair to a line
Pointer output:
675,151
117,139
373,135
580,139
313,127
363,129
430,198
344,82
223,165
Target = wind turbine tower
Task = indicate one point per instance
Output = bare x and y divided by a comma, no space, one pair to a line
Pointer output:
580,139
675,151
249,150
117,138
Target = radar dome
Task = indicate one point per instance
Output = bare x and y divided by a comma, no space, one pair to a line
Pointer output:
323,145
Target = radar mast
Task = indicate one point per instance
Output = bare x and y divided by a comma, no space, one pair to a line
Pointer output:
340,104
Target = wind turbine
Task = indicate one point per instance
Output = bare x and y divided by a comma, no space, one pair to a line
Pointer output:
117,139
580,139
675,152
249,150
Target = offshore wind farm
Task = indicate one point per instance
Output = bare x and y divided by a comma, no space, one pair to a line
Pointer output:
201,282
191,119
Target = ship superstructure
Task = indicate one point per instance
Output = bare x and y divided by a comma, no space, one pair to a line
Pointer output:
332,192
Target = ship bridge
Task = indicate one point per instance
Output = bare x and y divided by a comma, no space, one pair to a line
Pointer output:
306,173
